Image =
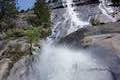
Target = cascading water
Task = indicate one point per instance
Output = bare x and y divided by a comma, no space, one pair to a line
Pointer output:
106,10
71,18
61,63
76,22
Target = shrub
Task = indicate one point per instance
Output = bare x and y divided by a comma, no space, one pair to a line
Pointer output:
14,33
36,33
32,34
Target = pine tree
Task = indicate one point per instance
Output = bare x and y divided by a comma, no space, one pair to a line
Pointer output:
43,13
8,13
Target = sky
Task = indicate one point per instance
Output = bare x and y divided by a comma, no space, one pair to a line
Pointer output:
25,4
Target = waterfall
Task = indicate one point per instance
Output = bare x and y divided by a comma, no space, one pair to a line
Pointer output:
70,16
74,17
62,63
106,10
76,22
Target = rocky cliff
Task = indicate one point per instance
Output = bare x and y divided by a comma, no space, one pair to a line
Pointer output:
94,12
11,51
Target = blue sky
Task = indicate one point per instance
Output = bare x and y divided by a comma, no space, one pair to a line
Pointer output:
25,4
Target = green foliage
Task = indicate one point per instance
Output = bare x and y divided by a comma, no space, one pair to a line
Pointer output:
33,34
41,20
7,14
42,12
14,33
6,23
36,33
34,21
8,8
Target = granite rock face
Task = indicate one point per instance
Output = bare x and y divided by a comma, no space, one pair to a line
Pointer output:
103,43
55,4
10,52
92,11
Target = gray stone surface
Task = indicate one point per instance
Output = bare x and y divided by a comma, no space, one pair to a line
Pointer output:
10,52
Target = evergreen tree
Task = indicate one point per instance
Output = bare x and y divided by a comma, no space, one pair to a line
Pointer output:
8,13
42,12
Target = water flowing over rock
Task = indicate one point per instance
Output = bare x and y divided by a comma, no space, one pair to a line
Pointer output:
93,59
58,62
82,14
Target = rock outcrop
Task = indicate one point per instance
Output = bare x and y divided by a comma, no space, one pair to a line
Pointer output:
103,41
109,41
93,12
11,51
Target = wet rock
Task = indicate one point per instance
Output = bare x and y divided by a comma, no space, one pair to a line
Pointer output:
85,11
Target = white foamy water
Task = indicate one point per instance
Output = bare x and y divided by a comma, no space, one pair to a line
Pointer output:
106,10
76,22
61,63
